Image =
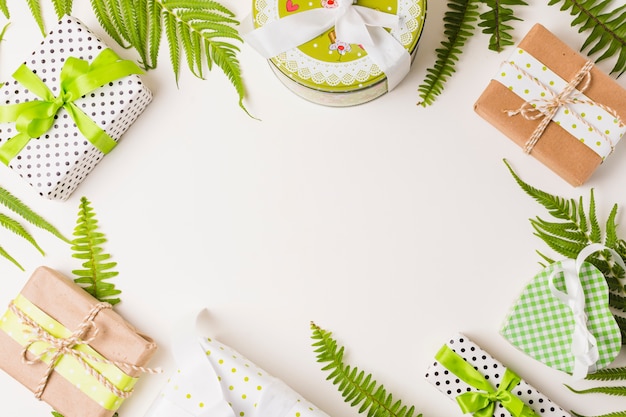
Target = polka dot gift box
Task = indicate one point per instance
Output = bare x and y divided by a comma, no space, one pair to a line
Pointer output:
338,52
70,350
213,380
556,105
483,386
66,107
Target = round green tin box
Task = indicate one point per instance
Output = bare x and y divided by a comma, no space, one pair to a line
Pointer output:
325,70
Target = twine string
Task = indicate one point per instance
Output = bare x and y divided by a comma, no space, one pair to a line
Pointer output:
59,346
546,108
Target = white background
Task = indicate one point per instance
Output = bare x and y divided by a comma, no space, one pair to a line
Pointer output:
391,225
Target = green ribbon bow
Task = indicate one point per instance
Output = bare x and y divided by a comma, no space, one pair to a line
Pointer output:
483,403
78,77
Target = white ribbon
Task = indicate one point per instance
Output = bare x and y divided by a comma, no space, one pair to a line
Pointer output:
353,24
584,345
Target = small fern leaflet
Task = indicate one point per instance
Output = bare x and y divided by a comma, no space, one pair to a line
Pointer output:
459,26
355,386
35,10
495,22
617,391
608,28
87,245
608,374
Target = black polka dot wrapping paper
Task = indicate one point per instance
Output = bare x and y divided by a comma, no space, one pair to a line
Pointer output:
477,382
57,161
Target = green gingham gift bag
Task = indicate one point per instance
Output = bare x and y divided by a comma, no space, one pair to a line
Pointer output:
562,317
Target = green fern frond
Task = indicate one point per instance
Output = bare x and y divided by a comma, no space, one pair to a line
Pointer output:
617,391
608,374
5,9
35,10
459,26
615,414
17,206
2,33
6,255
87,246
62,7
495,22
607,28
356,387
100,9
15,227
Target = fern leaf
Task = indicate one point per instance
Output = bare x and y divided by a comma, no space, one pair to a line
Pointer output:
6,255
459,26
87,245
357,388
155,29
35,10
494,22
100,9
615,414
15,227
17,206
2,33
205,29
607,28
608,374
617,391
62,7
5,9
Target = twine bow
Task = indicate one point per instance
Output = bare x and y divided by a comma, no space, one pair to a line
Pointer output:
34,118
482,403
58,347
546,108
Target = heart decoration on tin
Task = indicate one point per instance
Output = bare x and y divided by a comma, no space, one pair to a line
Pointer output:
291,6
562,317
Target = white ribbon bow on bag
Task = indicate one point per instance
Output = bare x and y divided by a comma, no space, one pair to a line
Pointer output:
353,24
584,345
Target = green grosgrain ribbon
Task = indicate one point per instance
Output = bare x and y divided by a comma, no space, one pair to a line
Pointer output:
78,77
482,403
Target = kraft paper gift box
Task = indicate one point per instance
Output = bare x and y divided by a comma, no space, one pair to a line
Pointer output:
37,330
469,375
337,52
42,142
214,380
530,91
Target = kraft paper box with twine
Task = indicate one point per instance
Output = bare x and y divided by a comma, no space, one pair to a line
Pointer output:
214,380
72,351
557,105
66,107
483,386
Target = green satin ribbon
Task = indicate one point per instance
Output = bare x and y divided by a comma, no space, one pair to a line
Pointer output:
78,77
482,403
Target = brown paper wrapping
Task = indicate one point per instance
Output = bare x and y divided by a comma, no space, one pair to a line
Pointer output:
66,302
557,149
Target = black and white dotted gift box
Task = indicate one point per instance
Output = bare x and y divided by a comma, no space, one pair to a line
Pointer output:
449,384
58,161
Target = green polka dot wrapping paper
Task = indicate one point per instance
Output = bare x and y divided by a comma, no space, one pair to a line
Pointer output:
562,319
556,105
486,376
49,309
214,380
354,53
57,161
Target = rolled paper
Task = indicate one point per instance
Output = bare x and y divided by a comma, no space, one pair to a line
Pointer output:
570,296
69,104
483,386
214,380
72,351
